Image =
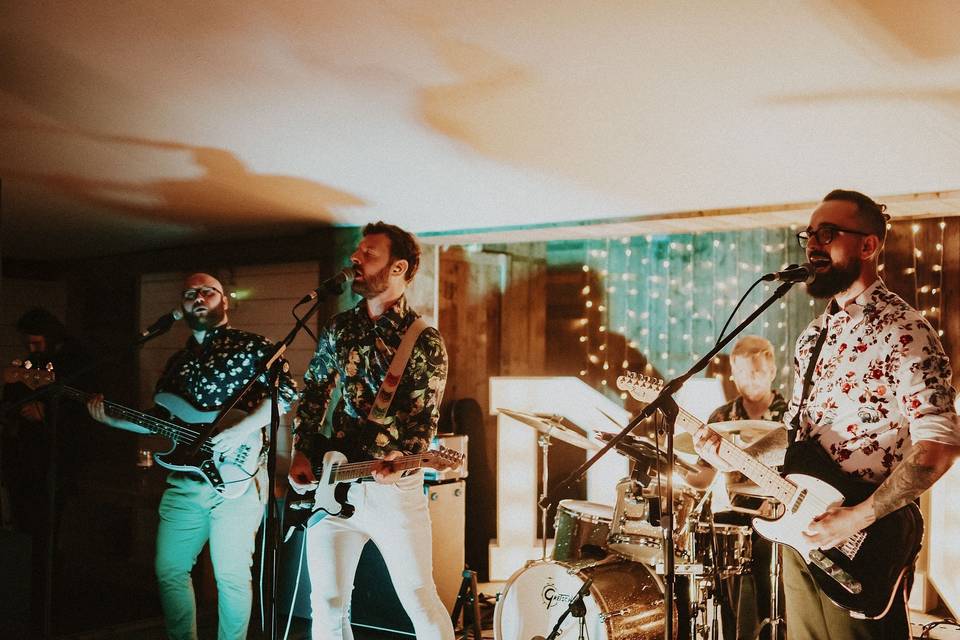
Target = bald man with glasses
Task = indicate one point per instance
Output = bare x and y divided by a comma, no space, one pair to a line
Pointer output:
216,362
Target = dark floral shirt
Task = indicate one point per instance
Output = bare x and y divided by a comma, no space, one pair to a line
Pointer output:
352,357
734,410
207,375
881,383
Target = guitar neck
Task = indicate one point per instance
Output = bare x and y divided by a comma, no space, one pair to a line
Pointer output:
350,471
156,426
765,477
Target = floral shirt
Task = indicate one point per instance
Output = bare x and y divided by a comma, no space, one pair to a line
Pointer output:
207,375
353,355
881,383
734,410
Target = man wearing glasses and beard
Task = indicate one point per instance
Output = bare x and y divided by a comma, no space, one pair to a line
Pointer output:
215,363
879,401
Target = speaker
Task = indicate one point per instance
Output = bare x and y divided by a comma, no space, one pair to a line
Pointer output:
375,603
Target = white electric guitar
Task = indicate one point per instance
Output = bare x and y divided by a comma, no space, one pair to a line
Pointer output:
861,574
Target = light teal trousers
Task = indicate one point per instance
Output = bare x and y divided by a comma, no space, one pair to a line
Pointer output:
191,514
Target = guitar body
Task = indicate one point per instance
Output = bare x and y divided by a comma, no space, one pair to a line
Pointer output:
861,577
230,472
334,476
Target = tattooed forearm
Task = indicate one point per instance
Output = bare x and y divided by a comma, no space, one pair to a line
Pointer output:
770,448
923,466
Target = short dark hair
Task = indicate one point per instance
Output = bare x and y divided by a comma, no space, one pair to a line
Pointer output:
40,322
870,212
403,246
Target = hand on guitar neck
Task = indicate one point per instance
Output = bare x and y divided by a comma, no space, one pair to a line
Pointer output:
383,472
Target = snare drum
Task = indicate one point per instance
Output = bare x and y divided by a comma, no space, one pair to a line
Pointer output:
625,601
581,529
631,534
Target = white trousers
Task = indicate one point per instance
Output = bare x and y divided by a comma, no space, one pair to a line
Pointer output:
396,518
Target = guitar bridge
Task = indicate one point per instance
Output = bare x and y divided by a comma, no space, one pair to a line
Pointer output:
832,569
852,545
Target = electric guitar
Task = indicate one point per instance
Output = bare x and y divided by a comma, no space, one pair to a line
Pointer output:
334,475
863,573
228,472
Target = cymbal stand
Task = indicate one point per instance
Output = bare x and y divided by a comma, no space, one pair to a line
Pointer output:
543,441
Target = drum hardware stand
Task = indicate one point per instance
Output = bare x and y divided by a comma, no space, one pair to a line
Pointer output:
543,440
662,403
774,620
468,596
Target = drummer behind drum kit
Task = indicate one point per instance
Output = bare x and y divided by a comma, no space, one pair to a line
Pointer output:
603,578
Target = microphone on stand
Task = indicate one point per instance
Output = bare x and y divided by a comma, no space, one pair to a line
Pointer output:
334,285
794,273
162,324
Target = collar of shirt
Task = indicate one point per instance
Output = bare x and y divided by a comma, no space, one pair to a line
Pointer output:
392,319
870,299
207,337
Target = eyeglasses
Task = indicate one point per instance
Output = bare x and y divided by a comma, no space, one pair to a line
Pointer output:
203,292
824,235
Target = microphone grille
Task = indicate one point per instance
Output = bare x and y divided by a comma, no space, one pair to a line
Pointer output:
177,314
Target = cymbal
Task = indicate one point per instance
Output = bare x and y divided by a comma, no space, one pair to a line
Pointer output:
748,430
554,426
640,448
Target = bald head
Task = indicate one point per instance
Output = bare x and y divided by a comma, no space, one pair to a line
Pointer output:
204,302
197,280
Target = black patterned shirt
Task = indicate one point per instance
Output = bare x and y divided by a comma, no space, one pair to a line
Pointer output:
353,356
207,375
734,410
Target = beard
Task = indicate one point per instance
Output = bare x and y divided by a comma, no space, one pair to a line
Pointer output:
372,286
836,279
212,318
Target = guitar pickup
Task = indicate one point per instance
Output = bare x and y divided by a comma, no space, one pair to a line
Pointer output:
832,569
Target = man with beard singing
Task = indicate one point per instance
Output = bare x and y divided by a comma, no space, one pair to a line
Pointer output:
879,400
354,352
216,362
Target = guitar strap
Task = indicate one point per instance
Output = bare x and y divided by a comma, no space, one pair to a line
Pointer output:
807,382
381,404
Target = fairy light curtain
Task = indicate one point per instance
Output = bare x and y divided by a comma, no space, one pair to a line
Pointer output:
656,303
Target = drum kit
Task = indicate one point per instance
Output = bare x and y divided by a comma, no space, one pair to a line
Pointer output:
603,579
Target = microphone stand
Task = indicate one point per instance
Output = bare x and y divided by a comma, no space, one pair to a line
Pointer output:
576,608
273,366
665,403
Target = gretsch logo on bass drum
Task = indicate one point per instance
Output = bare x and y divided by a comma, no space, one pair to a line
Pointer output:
550,596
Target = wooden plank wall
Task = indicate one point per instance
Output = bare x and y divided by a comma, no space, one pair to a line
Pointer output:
492,313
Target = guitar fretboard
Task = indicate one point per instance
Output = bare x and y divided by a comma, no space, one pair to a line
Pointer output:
179,434
765,477
349,471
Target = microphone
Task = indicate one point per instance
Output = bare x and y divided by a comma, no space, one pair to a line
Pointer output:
794,273
162,324
334,285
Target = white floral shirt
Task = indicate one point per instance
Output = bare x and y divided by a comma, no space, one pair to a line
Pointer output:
882,382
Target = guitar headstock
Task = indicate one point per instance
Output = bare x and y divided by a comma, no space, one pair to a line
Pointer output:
442,459
25,373
642,388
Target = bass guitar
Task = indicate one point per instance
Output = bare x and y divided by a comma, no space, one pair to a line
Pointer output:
334,475
228,472
863,573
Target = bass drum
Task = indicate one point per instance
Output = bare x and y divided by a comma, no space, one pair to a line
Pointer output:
625,601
